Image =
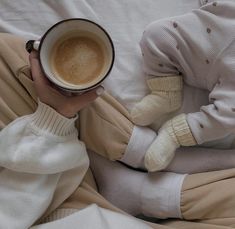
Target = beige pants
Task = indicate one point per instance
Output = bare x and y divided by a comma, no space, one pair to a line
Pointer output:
207,199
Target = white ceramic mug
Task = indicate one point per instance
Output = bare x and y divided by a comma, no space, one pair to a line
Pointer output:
60,29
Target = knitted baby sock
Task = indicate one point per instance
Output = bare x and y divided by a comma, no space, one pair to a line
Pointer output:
161,152
172,135
165,97
155,195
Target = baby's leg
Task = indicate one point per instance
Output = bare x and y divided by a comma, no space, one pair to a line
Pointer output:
165,81
162,57
160,104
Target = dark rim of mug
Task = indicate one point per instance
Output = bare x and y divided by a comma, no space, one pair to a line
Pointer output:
78,19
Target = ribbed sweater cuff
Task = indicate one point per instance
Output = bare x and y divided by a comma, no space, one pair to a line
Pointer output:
166,83
58,214
47,119
182,131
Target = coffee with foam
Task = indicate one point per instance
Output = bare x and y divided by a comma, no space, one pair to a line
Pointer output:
79,59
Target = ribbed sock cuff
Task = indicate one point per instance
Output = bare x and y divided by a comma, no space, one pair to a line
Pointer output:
167,83
58,214
141,139
182,131
47,119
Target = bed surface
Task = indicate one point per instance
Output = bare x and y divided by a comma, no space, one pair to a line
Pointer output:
124,20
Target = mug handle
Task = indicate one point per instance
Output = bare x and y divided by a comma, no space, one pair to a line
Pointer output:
32,45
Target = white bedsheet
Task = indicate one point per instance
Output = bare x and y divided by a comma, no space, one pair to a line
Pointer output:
125,20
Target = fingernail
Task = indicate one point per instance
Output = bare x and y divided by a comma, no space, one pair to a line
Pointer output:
99,91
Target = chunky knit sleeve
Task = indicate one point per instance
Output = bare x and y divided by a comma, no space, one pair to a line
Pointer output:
43,143
36,153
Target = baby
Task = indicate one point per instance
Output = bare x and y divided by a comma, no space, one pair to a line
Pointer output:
198,49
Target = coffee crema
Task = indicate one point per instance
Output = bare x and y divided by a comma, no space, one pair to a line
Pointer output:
78,59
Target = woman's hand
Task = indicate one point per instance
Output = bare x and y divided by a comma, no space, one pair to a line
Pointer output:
68,106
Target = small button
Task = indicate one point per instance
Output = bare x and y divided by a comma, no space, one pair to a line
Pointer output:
208,30
213,99
175,25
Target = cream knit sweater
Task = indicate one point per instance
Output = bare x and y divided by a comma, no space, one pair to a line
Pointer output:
40,155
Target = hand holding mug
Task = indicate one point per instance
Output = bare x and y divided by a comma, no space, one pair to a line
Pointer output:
73,56
67,106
